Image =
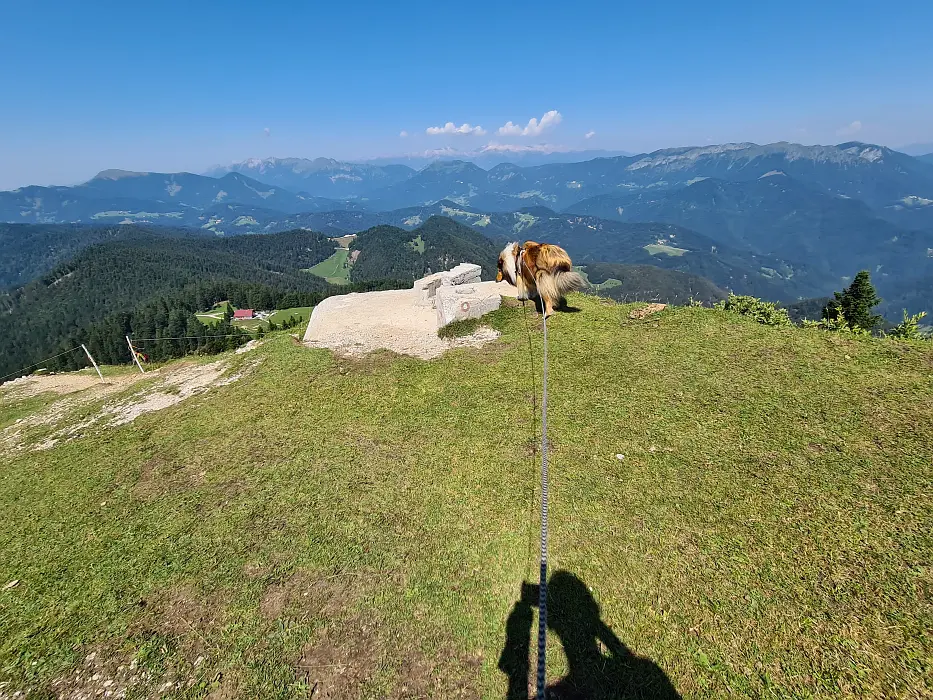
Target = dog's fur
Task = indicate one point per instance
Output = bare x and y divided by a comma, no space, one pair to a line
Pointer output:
539,270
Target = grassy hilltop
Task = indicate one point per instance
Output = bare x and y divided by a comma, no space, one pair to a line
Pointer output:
363,527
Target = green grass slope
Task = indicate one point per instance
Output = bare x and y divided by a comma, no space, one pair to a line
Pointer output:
363,528
334,269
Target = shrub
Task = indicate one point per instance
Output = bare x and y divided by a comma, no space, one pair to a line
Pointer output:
838,323
765,312
909,328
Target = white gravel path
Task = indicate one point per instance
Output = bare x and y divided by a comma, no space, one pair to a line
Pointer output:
356,324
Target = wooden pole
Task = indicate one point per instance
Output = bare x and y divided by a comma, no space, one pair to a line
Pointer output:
133,354
88,353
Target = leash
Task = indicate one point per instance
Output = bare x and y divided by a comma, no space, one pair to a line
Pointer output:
532,503
542,581
542,585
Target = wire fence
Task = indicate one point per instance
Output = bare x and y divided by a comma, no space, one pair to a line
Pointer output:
36,364
192,337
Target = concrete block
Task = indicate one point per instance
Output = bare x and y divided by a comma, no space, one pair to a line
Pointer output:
426,288
464,273
456,303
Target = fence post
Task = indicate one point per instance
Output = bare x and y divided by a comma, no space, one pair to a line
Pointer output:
88,353
133,354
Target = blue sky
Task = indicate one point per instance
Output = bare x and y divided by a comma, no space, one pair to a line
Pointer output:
170,86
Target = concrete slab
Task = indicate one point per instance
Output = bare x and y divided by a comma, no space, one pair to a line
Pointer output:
358,323
464,301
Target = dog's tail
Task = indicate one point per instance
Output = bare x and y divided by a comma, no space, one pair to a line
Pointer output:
557,286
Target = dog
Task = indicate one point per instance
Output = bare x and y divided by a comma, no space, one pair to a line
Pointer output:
539,270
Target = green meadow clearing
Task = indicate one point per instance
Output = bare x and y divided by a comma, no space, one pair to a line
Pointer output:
335,269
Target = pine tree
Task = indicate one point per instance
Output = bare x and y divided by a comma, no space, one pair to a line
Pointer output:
855,303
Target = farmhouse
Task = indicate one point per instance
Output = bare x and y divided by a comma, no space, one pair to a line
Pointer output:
243,315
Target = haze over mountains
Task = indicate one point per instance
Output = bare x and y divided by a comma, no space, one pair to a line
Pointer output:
781,220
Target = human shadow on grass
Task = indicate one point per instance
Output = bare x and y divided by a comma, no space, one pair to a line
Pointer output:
600,665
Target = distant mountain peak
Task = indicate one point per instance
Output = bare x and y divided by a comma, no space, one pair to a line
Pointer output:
115,174
451,166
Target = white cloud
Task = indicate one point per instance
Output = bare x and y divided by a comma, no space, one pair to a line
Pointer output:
534,127
589,134
267,131
403,134
451,128
850,130
491,147
510,129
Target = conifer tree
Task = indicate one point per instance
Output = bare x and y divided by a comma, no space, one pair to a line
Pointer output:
855,303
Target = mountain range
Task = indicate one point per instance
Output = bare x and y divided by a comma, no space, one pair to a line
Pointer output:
324,177
120,196
780,220
778,215
887,181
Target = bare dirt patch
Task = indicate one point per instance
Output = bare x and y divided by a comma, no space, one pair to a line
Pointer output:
183,615
67,383
183,382
178,383
345,659
646,311
159,475
304,595
227,688
339,664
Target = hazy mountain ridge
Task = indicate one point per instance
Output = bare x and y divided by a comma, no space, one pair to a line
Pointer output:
776,215
629,283
118,197
324,177
889,182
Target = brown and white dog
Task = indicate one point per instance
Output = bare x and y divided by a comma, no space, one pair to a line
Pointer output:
539,270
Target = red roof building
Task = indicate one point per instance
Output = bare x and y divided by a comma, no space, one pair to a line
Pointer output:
243,314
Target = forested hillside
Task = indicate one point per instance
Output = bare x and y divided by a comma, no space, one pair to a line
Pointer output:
30,250
117,276
438,244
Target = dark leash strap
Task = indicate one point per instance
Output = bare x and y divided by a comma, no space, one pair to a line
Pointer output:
542,584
